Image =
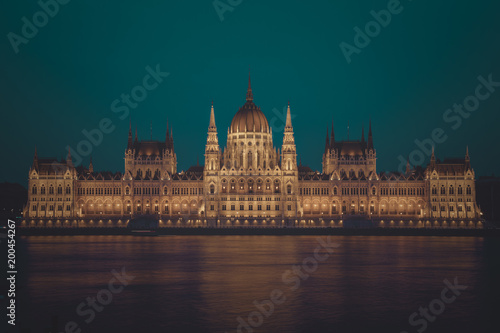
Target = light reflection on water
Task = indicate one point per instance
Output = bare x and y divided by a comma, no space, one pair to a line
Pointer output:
203,283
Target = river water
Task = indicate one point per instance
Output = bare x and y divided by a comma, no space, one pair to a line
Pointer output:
219,283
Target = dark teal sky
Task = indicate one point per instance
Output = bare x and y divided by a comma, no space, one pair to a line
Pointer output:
426,59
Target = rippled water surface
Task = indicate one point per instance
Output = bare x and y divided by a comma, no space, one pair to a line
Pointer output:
204,283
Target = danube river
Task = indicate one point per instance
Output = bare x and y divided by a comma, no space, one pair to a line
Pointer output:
258,284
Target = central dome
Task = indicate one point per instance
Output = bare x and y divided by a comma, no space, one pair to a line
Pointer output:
249,117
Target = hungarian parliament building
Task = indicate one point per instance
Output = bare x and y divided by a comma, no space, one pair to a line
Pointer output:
250,183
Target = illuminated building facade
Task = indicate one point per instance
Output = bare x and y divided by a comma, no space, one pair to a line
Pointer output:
251,183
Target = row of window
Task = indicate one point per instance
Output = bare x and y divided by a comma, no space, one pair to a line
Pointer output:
185,191
249,199
400,191
315,191
51,190
363,191
51,199
250,207
451,190
51,208
99,191
139,191
451,208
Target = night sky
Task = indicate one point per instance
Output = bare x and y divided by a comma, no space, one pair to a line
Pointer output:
429,56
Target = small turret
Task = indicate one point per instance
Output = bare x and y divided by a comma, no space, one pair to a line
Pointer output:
91,166
35,160
370,137
467,159
327,142
332,139
130,142
69,160
433,159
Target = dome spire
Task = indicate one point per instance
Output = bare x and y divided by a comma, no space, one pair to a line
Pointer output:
249,91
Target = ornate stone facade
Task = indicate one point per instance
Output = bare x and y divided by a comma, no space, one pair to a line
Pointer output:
251,183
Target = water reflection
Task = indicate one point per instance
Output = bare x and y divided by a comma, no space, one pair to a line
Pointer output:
203,283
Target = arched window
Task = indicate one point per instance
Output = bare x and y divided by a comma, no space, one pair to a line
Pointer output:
51,189
212,189
68,189
259,184
452,190
276,186
33,190
443,190
289,189
127,190
42,189
374,190
469,189
335,190
434,190
460,190
59,189
165,190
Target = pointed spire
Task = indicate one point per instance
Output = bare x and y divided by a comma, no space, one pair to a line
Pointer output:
370,136
91,166
69,160
167,138
212,126
363,134
172,139
467,158
327,143
129,145
288,125
35,160
136,139
332,139
249,91
432,164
